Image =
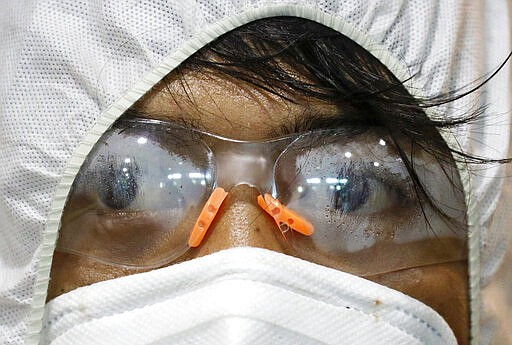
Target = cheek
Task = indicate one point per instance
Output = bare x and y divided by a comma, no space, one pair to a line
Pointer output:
71,271
444,287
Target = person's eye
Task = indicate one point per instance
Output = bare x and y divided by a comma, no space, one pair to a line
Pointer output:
128,182
357,187
350,193
137,170
331,188
119,184
362,188
342,176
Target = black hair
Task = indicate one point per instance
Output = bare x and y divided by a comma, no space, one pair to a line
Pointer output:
287,56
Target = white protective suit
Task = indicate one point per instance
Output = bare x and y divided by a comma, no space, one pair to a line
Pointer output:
71,68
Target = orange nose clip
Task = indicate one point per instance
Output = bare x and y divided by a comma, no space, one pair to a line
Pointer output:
283,215
206,217
280,213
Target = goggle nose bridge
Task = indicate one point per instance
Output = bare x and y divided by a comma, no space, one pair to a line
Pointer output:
250,163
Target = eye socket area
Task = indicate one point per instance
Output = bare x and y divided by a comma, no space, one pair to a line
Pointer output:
134,199
359,173
364,205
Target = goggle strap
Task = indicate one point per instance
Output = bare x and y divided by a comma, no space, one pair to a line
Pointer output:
206,216
283,215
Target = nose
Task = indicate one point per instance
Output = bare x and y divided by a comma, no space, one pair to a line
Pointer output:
241,222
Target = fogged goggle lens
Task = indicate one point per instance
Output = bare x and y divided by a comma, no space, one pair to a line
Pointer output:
357,192
137,195
145,184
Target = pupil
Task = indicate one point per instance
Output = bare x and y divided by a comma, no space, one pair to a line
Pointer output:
118,187
350,195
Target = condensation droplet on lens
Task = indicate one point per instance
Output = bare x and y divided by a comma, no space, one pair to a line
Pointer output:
118,188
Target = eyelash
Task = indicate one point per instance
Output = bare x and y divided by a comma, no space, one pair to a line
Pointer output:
391,182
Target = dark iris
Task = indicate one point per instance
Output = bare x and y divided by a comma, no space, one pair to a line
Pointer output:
351,195
118,186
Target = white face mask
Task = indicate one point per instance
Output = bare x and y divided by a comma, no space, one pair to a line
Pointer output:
242,296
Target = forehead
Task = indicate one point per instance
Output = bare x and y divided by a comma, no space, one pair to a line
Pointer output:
229,107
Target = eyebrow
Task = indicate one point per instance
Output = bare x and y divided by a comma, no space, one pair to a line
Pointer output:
308,120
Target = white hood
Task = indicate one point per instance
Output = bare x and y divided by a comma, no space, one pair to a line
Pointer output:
71,68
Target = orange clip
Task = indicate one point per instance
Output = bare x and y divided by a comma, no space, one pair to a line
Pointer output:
206,217
282,214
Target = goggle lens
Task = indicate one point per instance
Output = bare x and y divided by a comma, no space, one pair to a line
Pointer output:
340,198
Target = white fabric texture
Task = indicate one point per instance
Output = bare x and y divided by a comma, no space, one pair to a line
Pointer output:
242,296
70,68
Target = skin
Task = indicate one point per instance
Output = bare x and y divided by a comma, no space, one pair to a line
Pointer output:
233,109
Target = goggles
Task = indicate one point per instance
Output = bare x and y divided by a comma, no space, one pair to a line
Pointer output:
149,191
